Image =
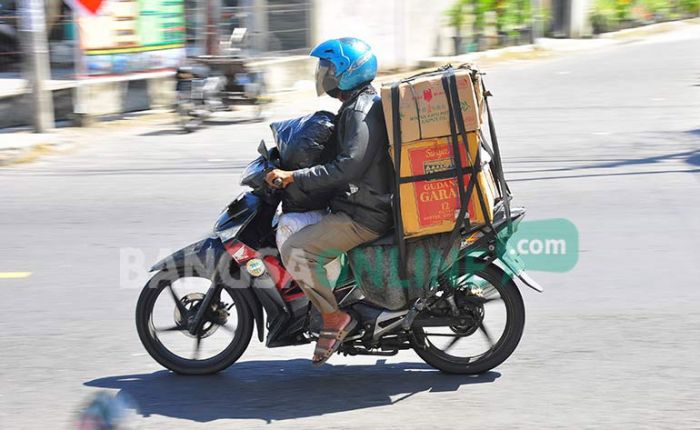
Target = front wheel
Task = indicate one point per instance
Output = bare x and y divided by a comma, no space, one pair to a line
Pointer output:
187,117
166,305
486,330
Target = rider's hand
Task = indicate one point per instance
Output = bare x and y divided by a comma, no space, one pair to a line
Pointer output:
283,175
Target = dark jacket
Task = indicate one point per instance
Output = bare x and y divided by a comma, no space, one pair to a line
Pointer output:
361,172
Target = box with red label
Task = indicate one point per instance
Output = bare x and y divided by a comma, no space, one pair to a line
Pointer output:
431,206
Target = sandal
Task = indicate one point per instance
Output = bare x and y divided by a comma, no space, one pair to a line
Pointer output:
334,339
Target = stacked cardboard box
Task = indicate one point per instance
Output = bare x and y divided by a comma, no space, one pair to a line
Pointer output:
431,206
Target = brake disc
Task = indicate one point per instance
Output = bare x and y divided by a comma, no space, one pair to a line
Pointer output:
192,302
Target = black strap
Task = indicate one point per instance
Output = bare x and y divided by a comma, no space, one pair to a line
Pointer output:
443,174
464,194
497,152
460,123
398,218
437,71
415,101
462,131
495,166
485,144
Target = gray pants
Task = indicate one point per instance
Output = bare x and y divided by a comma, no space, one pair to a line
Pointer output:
306,253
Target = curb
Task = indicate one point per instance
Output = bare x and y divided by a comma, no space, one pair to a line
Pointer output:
545,47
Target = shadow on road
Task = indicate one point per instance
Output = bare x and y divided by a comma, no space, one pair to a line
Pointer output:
281,390
691,157
694,159
219,121
206,123
164,132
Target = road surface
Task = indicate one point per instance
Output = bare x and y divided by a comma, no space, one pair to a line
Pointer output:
608,139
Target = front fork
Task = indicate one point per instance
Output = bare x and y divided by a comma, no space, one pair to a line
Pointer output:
213,293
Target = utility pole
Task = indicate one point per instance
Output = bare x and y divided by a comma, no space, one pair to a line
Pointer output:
37,69
212,27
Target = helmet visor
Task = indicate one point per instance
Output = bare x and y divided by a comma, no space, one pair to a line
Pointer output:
326,80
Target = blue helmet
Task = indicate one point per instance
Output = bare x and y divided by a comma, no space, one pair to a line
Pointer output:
344,64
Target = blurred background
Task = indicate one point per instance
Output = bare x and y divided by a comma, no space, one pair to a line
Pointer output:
105,153
130,37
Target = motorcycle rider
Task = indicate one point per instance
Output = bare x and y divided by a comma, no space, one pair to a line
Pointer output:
360,210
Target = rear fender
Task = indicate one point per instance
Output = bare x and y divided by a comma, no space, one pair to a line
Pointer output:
514,266
202,257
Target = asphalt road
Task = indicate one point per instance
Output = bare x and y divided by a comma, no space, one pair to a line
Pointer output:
608,139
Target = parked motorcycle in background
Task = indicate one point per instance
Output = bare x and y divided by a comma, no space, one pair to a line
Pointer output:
209,84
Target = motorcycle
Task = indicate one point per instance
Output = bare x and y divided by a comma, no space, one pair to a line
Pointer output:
198,312
196,98
211,84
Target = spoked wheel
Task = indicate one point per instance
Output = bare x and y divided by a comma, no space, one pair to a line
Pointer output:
187,118
488,317
164,315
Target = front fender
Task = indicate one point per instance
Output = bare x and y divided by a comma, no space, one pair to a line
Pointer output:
202,257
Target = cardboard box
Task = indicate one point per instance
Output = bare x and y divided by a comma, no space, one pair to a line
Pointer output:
431,207
434,155
423,108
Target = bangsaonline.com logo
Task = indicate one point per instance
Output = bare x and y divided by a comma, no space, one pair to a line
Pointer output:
549,245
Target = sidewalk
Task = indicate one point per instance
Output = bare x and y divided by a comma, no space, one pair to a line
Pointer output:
545,47
23,146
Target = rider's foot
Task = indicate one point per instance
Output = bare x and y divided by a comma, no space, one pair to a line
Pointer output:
336,325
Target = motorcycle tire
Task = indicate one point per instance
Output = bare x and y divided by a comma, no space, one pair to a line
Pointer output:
217,363
503,348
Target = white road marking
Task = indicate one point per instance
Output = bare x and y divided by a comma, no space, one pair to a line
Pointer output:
14,275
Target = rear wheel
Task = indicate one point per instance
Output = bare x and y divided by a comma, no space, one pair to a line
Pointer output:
166,306
486,330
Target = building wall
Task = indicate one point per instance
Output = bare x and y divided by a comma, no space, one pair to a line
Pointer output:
580,18
401,32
